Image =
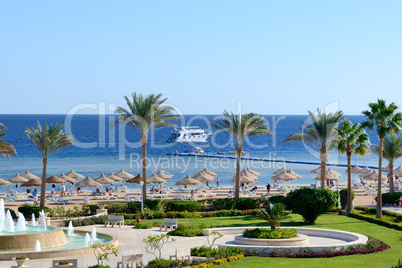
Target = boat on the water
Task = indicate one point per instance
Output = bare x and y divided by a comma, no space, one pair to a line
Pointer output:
189,134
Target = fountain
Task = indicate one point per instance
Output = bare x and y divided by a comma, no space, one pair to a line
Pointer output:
39,240
34,223
93,234
70,230
37,246
87,240
21,224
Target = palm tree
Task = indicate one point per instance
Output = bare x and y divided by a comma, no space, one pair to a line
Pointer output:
241,127
48,140
320,134
392,151
273,214
351,139
143,114
6,149
386,120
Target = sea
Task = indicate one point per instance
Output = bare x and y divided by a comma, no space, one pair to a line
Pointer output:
99,147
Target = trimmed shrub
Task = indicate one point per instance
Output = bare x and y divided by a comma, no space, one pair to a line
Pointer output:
181,206
87,221
189,230
28,210
152,204
262,233
144,225
391,199
310,203
205,251
221,204
344,197
276,199
160,263
248,203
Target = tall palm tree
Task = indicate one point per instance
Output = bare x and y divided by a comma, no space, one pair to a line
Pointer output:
386,120
143,114
392,151
351,139
6,149
48,140
320,134
241,127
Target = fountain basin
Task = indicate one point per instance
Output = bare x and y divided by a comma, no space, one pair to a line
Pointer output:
53,237
299,240
318,240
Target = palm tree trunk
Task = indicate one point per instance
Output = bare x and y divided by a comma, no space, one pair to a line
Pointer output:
144,140
239,148
379,195
391,177
43,187
323,159
349,197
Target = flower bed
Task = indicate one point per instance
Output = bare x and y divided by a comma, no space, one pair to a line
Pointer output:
263,233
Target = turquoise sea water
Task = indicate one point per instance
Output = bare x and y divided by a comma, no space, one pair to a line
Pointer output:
101,149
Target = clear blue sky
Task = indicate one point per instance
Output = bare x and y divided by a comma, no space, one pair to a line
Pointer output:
277,57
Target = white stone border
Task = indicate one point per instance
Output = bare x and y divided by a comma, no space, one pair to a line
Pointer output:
351,238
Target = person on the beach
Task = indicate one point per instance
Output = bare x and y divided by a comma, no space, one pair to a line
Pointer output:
218,182
97,190
268,187
207,183
78,190
35,195
63,191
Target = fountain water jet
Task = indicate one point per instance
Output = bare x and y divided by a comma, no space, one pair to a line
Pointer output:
37,246
93,234
87,240
42,217
2,215
34,223
21,224
8,223
70,230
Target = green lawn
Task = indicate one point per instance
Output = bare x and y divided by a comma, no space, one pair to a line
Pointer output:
383,259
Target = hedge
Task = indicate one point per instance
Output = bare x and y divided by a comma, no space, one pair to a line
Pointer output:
28,210
180,206
391,199
373,211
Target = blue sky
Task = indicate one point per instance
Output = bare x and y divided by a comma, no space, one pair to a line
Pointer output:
276,57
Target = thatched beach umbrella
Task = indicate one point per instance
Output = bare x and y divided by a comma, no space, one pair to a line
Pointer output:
280,171
188,181
28,175
316,171
355,169
17,179
365,170
243,178
205,170
114,177
373,176
164,176
54,179
291,172
66,178
253,172
74,175
285,177
366,173
138,179
203,177
398,171
331,171
87,182
4,182
32,182
124,175
102,179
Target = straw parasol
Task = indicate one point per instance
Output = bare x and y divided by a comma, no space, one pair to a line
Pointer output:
17,179
155,179
54,179
280,171
29,176
291,172
366,173
124,175
138,179
374,176
163,175
205,170
355,169
334,172
74,175
316,171
243,179
4,182
66,178
188,181
114,177
285,177
102,179
398,171
32,182
87,182
253,172
203,177
365,169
